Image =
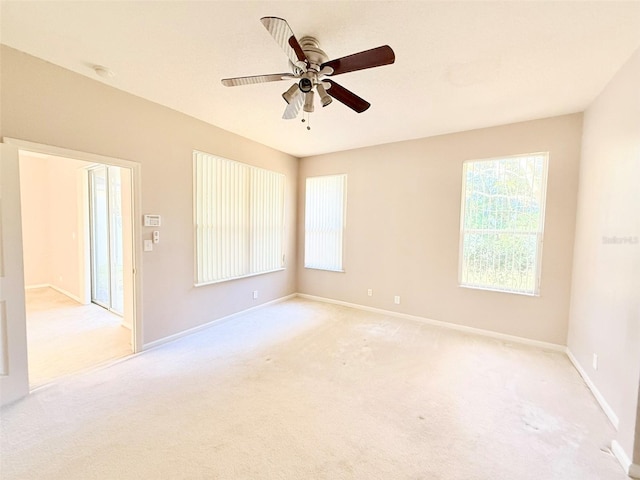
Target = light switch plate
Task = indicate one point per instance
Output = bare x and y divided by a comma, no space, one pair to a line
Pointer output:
148,246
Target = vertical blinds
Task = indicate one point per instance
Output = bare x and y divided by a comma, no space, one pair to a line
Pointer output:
239,219
325,222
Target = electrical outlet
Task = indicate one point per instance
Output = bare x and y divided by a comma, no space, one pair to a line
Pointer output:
370,292
396,299
255,294
595,361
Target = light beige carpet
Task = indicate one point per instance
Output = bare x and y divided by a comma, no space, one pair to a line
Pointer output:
65,337
303,390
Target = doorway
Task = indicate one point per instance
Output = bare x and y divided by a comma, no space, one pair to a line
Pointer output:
79,260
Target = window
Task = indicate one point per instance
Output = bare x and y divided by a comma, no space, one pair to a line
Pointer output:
239,219
324,222
501,223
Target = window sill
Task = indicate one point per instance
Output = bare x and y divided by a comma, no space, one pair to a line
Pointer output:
324,269
203,284
497,290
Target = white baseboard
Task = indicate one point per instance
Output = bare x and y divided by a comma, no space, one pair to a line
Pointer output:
613,418
630,468
65,292
438,323
217,321
57,289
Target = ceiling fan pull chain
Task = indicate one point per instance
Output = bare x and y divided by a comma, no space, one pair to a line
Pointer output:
308,119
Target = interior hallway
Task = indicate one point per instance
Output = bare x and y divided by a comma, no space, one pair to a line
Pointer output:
66,337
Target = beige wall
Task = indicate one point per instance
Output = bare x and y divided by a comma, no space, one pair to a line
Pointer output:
63,178
403,222
47,104
35,221
605,302
49,190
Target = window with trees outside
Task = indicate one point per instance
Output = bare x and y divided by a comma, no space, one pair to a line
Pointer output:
238,217
501,223
324,222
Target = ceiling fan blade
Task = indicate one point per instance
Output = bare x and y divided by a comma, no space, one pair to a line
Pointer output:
347,97
283,35
376,57
275,77
293,107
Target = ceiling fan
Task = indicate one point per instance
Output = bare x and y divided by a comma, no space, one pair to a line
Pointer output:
310,66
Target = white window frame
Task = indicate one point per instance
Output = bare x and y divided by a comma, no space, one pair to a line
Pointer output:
539,233
332,228
253,190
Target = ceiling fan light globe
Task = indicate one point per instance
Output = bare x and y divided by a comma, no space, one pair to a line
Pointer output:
308,102
324,97
291,93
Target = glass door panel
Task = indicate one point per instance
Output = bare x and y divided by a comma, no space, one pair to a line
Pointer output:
99,221
105,196
115,228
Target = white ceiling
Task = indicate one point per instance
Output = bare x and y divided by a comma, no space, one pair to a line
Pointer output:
459,65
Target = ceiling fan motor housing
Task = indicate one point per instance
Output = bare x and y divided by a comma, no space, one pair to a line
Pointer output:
314,54
315,57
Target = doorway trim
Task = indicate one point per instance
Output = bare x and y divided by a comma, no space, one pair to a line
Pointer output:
136,214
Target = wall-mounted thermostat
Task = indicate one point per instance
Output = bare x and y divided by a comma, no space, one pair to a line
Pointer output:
152,220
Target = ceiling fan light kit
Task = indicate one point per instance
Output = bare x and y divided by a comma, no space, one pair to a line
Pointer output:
310,65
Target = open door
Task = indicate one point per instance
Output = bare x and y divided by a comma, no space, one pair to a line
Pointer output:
14,375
